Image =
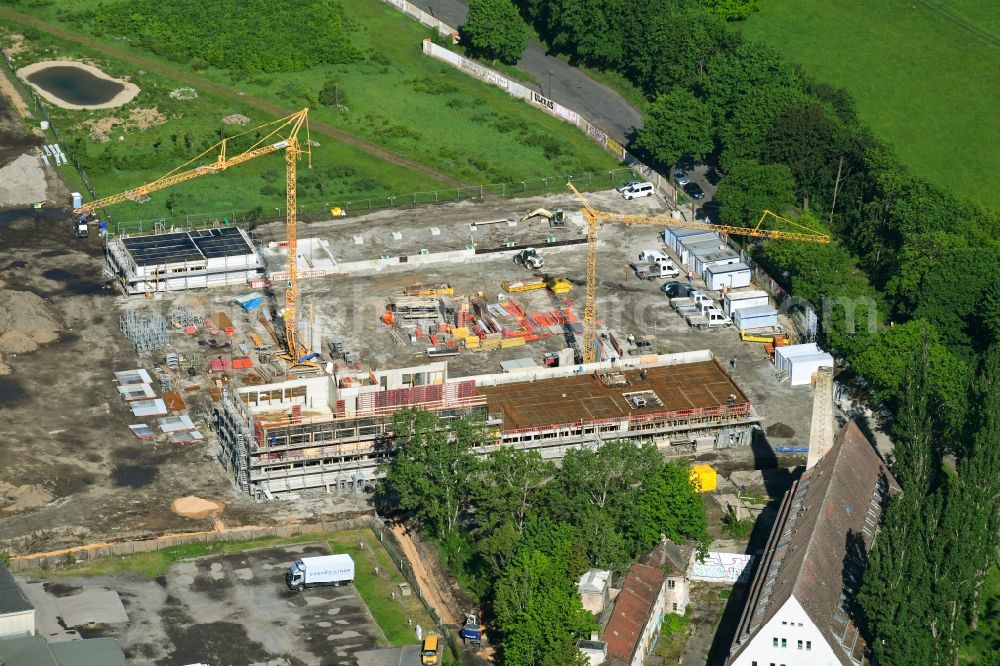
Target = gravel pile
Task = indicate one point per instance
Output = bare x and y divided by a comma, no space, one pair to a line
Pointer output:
26,321
22,182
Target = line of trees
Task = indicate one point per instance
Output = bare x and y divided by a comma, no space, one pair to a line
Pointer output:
907,252
519,531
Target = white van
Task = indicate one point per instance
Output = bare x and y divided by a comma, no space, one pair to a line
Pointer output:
639,190
653,256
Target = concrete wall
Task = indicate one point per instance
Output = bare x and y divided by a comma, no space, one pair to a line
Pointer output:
17,624
628,363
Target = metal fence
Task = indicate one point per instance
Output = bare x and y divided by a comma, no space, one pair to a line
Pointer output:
43,114
392,546
317,211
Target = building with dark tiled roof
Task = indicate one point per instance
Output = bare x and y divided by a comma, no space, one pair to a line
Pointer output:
797,610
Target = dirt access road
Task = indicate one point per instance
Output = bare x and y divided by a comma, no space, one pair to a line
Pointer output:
428,586
149,64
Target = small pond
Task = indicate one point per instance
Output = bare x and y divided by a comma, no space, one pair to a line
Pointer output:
75,85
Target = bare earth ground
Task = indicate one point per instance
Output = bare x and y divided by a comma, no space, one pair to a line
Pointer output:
428,586
72,473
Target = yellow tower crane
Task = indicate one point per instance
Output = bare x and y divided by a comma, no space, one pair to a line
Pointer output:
594,216
280,134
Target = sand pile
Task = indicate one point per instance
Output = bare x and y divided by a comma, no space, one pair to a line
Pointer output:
22,182
18,498
26,321
195,507
4,368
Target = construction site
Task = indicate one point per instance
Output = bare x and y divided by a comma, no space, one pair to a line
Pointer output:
547,318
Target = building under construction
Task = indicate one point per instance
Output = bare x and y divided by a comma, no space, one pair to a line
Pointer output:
331,432
183,260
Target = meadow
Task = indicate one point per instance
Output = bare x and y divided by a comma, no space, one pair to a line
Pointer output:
923,74
461,131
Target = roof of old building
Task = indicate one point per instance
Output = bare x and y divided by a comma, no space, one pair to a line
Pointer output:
594,581
673,558
12,599
632,609
830,514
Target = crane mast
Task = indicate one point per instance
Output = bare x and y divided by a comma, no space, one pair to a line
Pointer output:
283,135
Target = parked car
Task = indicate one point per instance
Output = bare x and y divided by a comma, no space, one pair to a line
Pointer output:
694,191
675,289
680,177
639,190
624,186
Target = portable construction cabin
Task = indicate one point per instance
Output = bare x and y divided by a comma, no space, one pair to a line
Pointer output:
689,252
737,300
674,238
762,316
720,257
703,478
801,362
729,275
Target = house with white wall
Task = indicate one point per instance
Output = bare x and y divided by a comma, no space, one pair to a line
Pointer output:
798,608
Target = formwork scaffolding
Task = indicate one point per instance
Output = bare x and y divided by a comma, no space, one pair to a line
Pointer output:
147,331
334,433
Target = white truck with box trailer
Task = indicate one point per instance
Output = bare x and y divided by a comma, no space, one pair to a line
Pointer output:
320,570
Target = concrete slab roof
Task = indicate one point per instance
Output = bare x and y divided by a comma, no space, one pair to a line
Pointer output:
688,386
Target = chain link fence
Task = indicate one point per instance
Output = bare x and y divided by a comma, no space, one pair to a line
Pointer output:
317,211
395,550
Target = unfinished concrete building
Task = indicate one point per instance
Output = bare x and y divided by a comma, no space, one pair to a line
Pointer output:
332,432
183,260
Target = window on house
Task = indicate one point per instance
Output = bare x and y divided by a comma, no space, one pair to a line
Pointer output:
671,584
800,645
675,606
774,642
809,645
784,623
784,642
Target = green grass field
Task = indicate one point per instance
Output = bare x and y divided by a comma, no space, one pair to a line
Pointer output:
924,75
397,98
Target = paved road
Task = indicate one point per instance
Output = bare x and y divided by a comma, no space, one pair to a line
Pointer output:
569,86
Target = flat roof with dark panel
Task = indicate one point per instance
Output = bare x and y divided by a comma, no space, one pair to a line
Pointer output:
187,246
585,397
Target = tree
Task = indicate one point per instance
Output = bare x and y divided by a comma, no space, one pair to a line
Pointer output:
732,10
495,29
668,505
508,486
749,188
884,363
897,589
539,613
429,474
677,124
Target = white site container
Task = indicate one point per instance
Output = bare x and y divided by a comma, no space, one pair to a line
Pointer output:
762,316
734,276
737,300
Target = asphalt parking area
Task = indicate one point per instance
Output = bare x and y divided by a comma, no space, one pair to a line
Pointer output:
235,610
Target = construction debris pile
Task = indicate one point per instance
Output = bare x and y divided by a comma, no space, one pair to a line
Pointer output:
450,323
